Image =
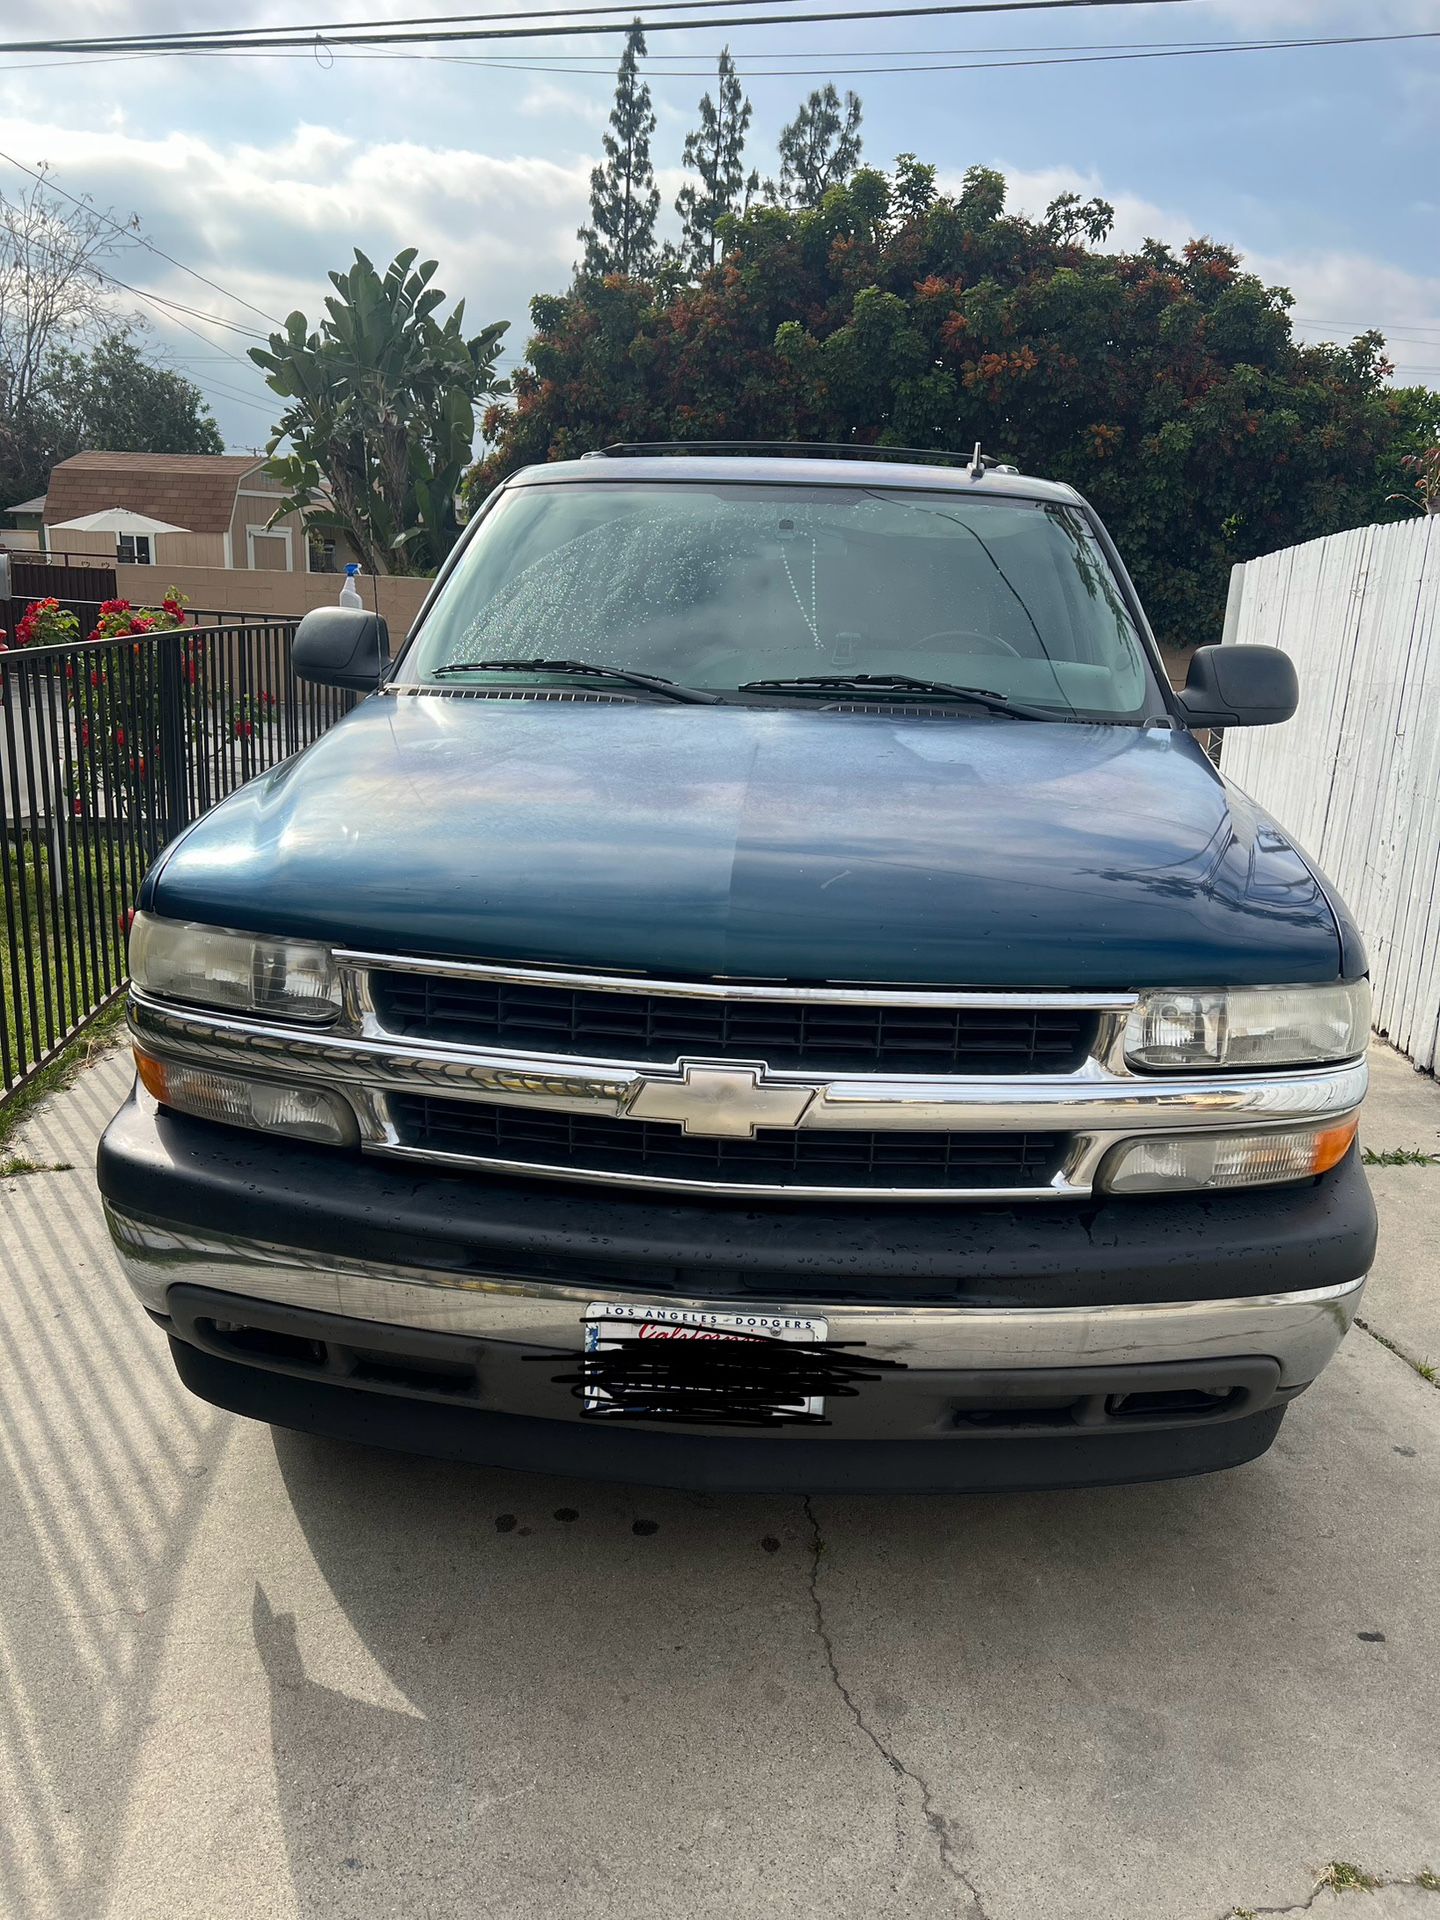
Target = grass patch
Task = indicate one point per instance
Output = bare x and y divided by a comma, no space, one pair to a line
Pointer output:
1399,1157
62,944
12,1169
1345,1877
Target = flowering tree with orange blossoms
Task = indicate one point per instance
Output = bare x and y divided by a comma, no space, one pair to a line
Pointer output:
1166,384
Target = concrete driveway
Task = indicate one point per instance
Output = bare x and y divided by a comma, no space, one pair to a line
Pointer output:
248,1674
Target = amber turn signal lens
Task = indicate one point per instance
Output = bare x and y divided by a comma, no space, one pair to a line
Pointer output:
152,1075
1334,1143
1194,1162
303,1112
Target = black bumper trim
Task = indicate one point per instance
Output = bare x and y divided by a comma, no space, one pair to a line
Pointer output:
191,1174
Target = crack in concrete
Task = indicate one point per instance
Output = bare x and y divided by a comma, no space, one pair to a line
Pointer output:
1424,1368
1425,1881
934,1819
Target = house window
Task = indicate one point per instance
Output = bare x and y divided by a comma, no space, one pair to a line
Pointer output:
133,550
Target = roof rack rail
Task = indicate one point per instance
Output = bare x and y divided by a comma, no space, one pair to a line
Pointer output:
978,463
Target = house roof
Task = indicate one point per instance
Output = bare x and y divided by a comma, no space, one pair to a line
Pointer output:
37,505
192,490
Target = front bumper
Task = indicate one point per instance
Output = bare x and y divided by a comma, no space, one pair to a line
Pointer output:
1298,1329
1129,1340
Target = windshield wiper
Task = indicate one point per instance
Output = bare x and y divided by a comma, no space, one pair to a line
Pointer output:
671,689
903,683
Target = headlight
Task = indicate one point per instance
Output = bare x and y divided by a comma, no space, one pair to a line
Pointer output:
304,1113
1192,1162
1171,1029
182,960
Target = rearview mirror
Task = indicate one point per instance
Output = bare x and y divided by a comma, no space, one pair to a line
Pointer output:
342,647
1239,687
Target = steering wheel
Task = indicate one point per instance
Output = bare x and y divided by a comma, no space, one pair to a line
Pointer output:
989,642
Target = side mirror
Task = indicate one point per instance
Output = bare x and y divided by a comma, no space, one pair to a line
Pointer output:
342,647
1239,687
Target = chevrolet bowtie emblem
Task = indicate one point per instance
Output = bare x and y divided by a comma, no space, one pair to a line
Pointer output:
724,1099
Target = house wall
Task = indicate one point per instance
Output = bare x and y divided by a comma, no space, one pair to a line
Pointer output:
255,501
274,595
170,550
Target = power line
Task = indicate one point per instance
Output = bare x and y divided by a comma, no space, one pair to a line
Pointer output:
362,33
962,66
139,239
603,64
178,306
1407,332
501,63
159,300
181,363
197,39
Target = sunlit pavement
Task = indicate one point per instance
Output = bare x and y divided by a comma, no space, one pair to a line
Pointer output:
249,1674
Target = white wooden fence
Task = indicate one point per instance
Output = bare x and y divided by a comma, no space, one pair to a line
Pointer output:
1355,776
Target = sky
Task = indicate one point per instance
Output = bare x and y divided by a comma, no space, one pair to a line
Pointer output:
261,174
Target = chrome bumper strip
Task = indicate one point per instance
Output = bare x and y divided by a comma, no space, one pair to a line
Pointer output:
1093,1099
1301,1329
827,994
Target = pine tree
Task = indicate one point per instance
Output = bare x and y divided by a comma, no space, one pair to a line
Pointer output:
819,149
624,199
716,151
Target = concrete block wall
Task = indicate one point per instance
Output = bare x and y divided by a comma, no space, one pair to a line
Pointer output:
275,595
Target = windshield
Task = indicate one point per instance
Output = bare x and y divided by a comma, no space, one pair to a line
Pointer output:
715,586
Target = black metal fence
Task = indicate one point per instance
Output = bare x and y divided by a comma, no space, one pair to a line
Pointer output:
107,749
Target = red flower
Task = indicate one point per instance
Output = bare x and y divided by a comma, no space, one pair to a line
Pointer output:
77,805
84,733
113,606
243,730
119,736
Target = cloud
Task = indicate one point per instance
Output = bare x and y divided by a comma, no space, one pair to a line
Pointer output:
1029,190
267,222
545,101
267,217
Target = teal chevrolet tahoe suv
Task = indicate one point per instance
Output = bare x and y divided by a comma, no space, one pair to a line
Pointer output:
765,990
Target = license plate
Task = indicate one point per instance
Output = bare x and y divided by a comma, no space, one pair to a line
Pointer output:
700,1365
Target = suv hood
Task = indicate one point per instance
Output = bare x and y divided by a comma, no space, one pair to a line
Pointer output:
761,842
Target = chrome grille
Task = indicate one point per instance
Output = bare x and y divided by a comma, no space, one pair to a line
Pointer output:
777,1157
656,1028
